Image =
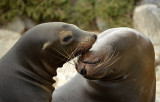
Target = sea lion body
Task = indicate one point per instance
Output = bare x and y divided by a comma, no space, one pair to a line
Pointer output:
26,71
118,68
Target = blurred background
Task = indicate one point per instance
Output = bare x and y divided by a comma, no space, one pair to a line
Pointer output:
86,14
17,16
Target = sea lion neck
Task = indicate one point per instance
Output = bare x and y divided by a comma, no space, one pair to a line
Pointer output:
30,58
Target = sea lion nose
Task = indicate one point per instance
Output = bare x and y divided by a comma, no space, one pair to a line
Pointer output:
83,71
95,36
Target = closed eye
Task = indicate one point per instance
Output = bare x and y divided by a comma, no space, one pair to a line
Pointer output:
91,62
67,38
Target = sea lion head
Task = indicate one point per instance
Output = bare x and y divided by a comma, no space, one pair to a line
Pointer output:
57,42
117,53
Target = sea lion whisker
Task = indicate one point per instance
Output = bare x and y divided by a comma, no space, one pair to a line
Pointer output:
108,60
72,54
101,63
70,50
107,56
112,63
116,58
61,59
67,55
60,53
58,57
65,52
113,59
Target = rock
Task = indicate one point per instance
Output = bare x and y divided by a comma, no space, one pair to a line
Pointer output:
146,19
7,40
20,25
65,73
156,2
101,24
158,91
157,60
17,25
28,23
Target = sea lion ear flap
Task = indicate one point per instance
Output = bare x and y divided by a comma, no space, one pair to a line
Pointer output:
46,45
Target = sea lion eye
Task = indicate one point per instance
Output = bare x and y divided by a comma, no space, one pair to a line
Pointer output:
67,38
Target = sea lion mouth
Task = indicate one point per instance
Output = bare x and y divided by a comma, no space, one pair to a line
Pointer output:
82,51
85,45
91,62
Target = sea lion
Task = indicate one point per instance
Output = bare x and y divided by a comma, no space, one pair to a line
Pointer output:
118,68
26,71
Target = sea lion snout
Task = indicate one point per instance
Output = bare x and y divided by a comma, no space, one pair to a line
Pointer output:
86,65
85,43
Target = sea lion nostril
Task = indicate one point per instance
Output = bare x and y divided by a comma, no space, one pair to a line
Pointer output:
83,71
95,36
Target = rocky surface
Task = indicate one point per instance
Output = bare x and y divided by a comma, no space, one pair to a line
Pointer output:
64,74
8,38
101,24
156,2
19,25
28,23
146,20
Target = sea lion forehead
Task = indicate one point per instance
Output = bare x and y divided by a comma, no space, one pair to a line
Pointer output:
124,33
66,25
119,35
116,37
54,25
65,32
67,29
